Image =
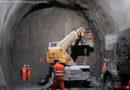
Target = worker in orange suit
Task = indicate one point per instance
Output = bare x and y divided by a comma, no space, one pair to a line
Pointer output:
91,41
24,71
58,72
105,64
29,72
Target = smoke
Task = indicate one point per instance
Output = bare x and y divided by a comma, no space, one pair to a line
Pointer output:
121,13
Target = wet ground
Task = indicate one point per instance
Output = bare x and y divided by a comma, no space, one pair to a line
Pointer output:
33,86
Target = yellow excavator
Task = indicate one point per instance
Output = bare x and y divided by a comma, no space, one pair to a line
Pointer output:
59,49
79,38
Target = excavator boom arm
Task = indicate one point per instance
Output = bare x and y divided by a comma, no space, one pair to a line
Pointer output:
58,49
67,41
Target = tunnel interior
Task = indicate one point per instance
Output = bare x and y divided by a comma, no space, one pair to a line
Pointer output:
37,25
37,29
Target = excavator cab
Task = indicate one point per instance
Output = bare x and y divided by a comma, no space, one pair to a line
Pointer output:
52,44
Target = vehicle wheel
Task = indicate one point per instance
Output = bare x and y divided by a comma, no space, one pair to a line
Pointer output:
122,54
108,84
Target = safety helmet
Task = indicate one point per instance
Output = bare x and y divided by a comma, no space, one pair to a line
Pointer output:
105,59
28,65
24,65
56,59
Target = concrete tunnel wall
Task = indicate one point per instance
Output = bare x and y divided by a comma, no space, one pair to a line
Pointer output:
34,33
88,13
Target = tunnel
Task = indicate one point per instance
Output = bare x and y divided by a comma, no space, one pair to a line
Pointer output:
27,28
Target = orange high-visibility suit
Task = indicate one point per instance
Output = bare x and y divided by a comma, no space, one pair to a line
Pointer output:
24,71
29,73
91,41
58,79
104,66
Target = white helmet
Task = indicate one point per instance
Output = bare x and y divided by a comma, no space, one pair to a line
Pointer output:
105,59
28,65
24,65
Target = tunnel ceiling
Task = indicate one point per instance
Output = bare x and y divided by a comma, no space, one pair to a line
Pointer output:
91,13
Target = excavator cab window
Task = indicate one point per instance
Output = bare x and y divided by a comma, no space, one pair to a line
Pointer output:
53,44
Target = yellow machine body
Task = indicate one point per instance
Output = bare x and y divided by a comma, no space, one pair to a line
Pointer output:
58,49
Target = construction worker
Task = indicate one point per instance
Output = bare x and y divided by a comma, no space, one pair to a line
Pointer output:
58,72
29,72
105,64
24,71
89,34
91,41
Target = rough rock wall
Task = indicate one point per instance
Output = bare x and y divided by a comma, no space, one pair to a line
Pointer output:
14,15
34,33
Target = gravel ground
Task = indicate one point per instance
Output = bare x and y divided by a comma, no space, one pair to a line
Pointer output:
33,86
